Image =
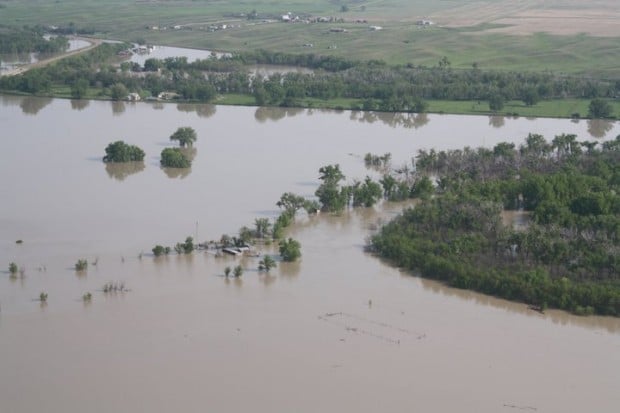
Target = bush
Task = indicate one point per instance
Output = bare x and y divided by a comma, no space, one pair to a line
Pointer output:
81,265
183,247
290,250
266,264
174,158
599,108
119,151
159,250
13,268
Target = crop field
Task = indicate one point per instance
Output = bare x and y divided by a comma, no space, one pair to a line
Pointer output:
564,36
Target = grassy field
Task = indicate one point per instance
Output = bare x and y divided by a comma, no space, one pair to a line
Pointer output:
486,32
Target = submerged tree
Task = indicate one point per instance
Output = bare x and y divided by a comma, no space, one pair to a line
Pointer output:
184,247
262,226
186,136
174,158
119,151
81,265
13,268
331,196
290,249
159,250
366,193
266,264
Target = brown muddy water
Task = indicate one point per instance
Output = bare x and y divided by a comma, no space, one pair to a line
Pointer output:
338,331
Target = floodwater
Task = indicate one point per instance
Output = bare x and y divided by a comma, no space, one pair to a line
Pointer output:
163,52
337,331
192,55
10,62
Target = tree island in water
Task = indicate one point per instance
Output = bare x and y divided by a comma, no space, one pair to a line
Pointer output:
566,256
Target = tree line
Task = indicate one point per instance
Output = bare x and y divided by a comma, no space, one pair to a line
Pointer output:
28,40
376,85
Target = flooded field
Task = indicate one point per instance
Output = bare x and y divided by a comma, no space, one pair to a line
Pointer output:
11,61
163,52
338,331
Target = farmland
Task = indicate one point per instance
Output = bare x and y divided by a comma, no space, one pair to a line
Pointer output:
567,36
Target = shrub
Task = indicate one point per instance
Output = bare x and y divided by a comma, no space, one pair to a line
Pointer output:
290,249
81,265
119,151
174,158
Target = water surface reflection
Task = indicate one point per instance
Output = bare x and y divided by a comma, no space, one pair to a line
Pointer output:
79,104
273,113
32,105
203,110
599,128
118,107
177,173
497,121
120,171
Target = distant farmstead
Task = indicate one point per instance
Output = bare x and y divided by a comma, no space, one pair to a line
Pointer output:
424,22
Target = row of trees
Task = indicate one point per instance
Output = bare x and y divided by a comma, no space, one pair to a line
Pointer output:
566,257
28,40
376,85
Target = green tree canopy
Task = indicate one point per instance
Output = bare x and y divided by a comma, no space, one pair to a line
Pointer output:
186,136
331,197
174,158
119,151
599,108
290,249
496,102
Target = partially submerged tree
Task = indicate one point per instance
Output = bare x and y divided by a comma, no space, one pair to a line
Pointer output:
119,151
159,250
263,226
290,249
81,265
331,196
266,264
366,194
291,202
186,136
185,247
174,158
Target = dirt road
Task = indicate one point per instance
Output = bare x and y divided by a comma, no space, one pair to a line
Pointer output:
22,69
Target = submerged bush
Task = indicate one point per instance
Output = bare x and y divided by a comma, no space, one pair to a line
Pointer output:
81,265
174,158
119,151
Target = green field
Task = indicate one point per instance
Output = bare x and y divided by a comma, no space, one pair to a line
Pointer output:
400,41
